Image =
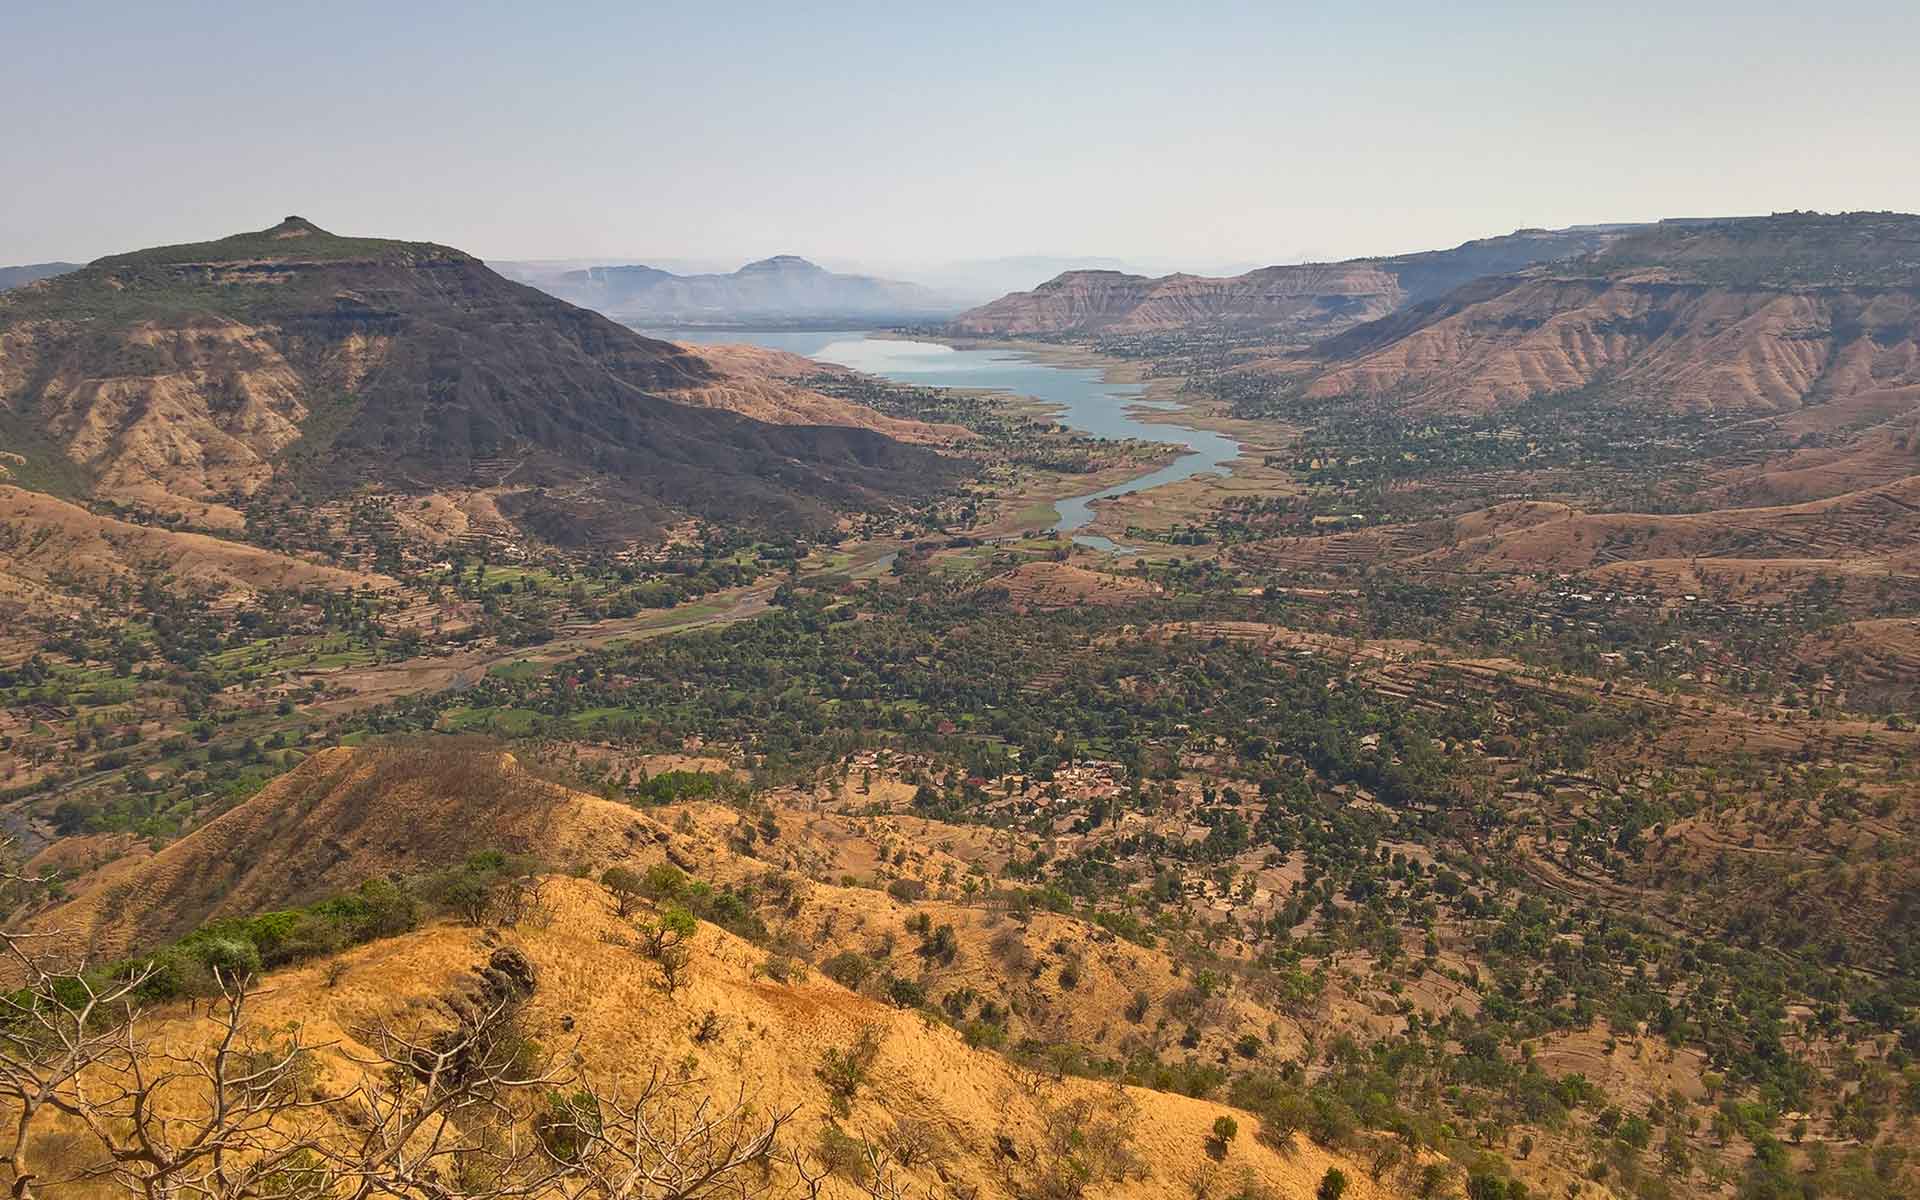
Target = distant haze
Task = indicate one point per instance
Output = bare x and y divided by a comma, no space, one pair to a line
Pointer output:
784,289
964,283
896,139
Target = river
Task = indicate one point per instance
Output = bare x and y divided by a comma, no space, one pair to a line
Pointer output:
1087,401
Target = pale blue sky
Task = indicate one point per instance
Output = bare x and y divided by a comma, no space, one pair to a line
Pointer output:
900,133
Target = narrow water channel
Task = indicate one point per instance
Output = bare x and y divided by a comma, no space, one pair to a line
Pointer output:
1086,400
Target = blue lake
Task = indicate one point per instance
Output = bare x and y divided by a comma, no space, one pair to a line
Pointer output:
1086,400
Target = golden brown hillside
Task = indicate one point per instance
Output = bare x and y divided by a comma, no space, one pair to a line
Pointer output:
917,914
48,546
598,1014
764,384
341,817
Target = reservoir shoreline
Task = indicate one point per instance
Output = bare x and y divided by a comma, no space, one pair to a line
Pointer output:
1084,391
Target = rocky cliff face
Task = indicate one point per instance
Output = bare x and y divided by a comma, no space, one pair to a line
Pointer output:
1764,315
1292,302
189,378
1286,299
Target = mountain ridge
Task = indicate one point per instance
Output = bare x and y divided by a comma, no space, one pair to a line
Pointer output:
25,273
783,287
1306,300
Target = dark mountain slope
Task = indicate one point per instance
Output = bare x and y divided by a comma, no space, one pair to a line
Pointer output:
197,376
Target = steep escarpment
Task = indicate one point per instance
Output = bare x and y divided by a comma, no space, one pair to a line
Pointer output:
1766,315
1286,299
187,379
1291,302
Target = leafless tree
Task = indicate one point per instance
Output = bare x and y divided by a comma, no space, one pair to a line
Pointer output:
661,1145
523,900
884,1178
223,1122
53,1029
436,1116
463,1113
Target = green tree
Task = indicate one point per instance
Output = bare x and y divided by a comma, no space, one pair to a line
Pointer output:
626,886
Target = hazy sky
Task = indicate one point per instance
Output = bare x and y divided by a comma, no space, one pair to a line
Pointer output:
907,132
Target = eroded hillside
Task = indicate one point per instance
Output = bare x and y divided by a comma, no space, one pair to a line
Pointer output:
188,380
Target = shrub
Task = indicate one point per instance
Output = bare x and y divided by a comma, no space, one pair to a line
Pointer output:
905,993
663,881
1333,1185
845,1071
848,969
842,1154
173,973
1282,1108
567,1124
941,945
230,958
781,969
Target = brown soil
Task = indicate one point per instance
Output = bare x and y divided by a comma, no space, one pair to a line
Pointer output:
43,540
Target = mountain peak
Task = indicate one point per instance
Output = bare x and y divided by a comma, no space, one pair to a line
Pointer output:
786,263
295,227
294,239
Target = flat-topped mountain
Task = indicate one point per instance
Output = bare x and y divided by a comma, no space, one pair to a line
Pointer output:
1289,300
190,378
781,289
1305,301
1764,314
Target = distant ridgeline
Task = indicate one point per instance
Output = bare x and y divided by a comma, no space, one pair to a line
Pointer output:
1304,301
11,277
781,290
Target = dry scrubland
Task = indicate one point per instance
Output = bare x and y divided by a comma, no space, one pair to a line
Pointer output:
1512,760
599,1009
